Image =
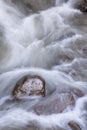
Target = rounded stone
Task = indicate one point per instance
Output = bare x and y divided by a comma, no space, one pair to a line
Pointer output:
29,86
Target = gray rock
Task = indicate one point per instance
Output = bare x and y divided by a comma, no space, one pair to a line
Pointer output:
40,4
57,105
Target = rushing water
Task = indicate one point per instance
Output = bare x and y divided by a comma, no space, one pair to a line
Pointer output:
52,44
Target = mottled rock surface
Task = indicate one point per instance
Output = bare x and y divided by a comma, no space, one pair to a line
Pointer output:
29,86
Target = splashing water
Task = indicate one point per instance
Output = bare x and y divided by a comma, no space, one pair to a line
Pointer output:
52,44
60,2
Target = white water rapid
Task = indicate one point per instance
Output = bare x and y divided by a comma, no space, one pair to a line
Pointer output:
51,43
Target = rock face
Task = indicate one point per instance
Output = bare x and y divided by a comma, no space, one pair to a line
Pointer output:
56,105
40,4
83,8
74,126
82,5
29,86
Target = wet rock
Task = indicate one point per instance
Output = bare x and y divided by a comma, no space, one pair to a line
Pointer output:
81,6
31,6
74,126
85,1
77,92
39,4
29,86
57,105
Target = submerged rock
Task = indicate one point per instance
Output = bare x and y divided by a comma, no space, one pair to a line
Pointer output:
74,126
57,105
39,4
29,86
77,92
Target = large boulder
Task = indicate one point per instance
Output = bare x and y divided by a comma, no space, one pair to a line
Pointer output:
29,86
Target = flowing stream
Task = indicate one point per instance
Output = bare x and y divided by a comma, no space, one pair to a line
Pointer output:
51,43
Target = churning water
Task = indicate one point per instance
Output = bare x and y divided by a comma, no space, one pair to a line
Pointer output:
52,44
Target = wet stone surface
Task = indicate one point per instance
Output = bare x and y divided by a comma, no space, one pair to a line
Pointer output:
29,86
74,126
40,4
81,6
56,105
77,92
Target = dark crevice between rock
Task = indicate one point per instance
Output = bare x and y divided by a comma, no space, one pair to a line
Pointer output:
81,6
